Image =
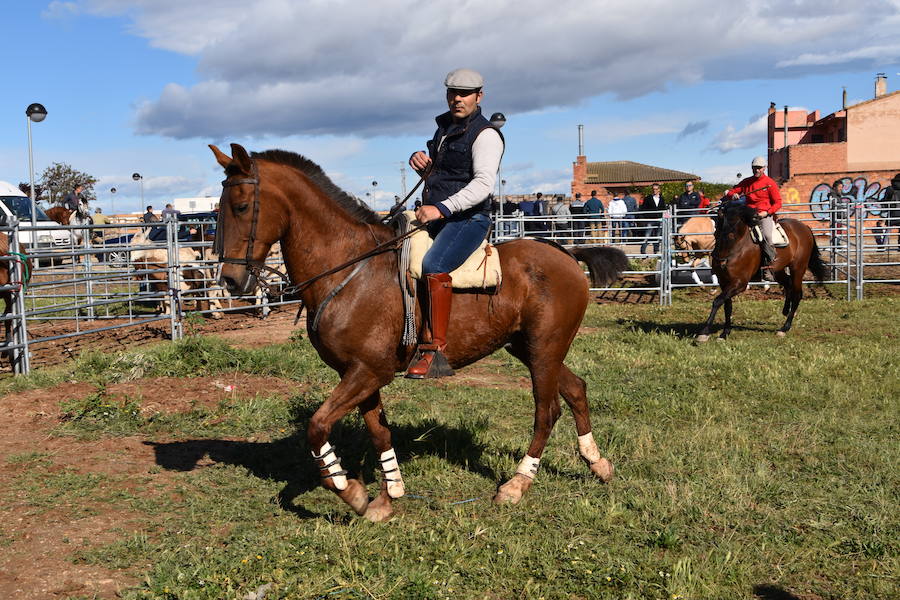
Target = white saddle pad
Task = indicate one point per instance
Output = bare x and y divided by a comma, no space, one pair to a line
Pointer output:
779,237
481,269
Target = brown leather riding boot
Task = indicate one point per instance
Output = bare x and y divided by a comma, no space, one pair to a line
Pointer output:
431,362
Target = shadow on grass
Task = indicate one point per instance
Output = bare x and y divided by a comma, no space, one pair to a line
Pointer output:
689,330
288,459
765,591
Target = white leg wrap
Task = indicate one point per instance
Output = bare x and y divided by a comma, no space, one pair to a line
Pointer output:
588,448
326,455
529,466
390,468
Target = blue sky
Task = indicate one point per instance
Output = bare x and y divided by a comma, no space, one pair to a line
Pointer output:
145,85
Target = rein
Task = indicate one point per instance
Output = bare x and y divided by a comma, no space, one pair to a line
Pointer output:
257,267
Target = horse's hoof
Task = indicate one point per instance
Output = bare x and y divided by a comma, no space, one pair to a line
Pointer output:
721,338
512,491
780,333
356,496
603,469
701,339
379,510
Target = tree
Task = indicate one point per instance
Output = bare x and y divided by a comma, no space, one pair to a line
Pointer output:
59,179
38,190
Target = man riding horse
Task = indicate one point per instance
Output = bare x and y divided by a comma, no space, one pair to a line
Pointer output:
760,192
460,171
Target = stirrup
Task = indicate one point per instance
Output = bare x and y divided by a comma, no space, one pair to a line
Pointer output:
437,365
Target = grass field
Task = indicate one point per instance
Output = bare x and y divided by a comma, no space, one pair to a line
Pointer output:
755,468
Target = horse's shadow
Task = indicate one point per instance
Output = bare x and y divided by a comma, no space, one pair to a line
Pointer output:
288,459
684,330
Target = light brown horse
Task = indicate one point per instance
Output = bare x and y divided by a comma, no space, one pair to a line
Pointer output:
736,259
535,315
697,239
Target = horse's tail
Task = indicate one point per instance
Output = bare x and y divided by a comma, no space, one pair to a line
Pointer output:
604,263
817,266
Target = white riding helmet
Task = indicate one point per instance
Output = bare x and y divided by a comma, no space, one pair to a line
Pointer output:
759,161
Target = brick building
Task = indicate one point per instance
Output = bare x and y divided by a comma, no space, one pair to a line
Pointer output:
618,177
856,147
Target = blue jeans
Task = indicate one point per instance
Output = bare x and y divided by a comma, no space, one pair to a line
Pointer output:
455,239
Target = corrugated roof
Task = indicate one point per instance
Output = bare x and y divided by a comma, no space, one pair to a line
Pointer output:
626,171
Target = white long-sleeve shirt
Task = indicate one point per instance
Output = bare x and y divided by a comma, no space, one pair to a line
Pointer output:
617,208
486,154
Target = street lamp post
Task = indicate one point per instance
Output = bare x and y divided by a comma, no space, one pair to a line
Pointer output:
138,177
498,120
37,113
112,201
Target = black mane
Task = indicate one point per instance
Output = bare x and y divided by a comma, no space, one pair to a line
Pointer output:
353,206
730,213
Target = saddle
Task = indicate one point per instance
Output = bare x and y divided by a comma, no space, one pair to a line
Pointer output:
480,271
779,237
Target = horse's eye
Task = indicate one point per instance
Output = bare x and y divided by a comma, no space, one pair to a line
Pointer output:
240,208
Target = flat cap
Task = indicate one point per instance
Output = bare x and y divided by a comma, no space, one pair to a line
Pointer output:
464,79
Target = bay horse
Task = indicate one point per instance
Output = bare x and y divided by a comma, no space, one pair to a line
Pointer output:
280,196
736,259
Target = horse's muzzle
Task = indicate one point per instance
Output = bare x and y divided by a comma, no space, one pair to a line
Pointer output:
240,283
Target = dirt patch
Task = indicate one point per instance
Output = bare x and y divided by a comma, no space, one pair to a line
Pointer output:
40,537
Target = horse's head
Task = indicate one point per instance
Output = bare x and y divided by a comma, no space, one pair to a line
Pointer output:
733,221
245,230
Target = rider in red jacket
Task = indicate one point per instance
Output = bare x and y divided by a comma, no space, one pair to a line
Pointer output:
761,194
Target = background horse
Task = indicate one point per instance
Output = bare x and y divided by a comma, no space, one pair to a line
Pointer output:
697,238
736,259
64,216
535,314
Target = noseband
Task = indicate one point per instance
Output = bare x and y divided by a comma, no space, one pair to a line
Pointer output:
219,241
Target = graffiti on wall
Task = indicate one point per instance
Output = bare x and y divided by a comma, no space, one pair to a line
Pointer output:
857,194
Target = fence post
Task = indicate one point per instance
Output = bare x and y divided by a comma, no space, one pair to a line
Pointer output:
20,358
88,269
174,274
665,260
859,218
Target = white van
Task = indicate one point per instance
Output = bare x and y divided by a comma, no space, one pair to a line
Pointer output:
14,203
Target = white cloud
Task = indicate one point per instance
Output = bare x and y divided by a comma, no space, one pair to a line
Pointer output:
343,67
60,10
751,135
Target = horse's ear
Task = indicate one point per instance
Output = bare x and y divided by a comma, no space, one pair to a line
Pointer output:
241,158
221,158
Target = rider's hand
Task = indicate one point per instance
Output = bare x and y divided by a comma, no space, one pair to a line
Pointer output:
428,213
735,197
419,161
763,214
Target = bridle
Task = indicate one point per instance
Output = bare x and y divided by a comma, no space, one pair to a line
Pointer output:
219,241
256,267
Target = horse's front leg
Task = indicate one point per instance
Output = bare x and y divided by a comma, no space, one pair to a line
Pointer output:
392,486
703,336
356,385
793,294
726,330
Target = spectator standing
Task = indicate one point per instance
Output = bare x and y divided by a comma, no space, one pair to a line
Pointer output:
577,209
594,209
688,202
632,206
617,212
169,213
99,219
651,209
561,224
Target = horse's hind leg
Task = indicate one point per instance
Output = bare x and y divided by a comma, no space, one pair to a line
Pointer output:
545,388
392,486
574,391
793,294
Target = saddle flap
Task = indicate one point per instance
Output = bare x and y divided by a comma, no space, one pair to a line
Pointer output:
480,270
